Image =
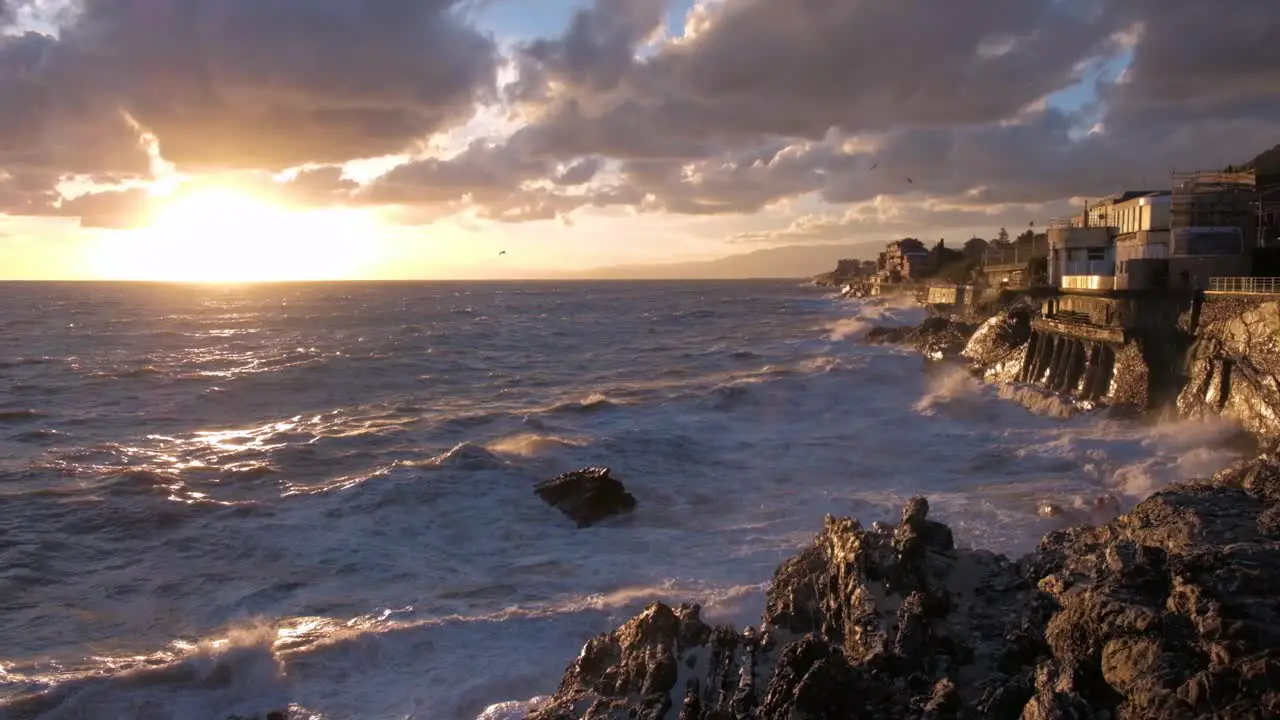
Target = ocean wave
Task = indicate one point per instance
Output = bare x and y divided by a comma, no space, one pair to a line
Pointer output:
463,456
27,361
596,402
534,444
19,416
376,505
236,675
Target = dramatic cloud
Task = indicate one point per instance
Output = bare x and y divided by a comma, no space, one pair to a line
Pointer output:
274,83
237,83
761,101
907,111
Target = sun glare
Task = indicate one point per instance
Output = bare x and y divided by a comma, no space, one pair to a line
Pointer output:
223,235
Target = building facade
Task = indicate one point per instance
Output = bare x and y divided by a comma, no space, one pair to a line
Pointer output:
1017,264
1213,227
1142,241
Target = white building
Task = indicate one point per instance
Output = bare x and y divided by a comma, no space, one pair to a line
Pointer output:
1142,241
1108,247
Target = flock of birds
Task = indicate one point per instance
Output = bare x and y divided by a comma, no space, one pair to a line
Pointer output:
873,167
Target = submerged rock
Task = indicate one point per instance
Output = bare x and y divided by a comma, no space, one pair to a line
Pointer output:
587,496
1171,610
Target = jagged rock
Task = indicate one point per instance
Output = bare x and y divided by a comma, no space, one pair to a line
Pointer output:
939,337
997,341
1163,612
587,496
1172,610
1233,368
861,624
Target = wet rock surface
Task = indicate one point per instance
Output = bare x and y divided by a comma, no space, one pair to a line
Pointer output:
1171,610
939,337
1233,369
586,496
997,348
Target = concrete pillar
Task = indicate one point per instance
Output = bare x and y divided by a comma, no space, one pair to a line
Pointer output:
1088,386
1106,369
1075,369
1029,360
1064,366
1045,372
1057,368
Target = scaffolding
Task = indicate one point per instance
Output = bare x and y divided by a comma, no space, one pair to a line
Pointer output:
1214,200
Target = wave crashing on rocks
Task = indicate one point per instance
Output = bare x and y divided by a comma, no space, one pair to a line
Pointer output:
1171,610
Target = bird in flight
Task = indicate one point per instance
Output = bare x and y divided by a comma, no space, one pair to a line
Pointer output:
913,182
875,165
502,252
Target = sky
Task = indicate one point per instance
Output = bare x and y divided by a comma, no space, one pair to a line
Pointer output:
342,139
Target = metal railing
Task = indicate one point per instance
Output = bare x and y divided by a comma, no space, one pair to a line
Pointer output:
1247,285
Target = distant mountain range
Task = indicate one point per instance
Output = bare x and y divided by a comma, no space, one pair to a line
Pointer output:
789,261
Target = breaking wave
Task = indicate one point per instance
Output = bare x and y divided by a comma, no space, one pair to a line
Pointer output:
339,519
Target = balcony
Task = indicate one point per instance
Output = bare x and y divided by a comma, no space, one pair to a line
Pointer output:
1089,267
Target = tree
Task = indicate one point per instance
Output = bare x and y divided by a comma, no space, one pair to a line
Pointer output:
1027,236
1003,237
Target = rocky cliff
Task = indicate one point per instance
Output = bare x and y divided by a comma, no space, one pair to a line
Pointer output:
1172,610
1233,369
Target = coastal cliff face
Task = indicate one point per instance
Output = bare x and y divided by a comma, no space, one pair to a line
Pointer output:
1233,368
1172,610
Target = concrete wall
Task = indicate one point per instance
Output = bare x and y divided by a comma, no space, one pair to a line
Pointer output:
1142,274
1193,272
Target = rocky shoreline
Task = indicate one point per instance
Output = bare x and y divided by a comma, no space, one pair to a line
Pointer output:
1171,610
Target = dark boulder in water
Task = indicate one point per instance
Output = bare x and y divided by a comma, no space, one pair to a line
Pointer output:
1172,610
587,496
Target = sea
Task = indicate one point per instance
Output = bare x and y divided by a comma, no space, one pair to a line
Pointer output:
222,500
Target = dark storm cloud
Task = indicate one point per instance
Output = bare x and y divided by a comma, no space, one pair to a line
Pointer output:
275,83
232,84
798,69
595,52
1205,57
713,124
52,128
757,106
484,171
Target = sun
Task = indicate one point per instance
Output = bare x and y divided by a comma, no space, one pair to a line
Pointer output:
223,235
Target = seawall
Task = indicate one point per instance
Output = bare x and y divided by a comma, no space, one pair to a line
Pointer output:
1184,355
